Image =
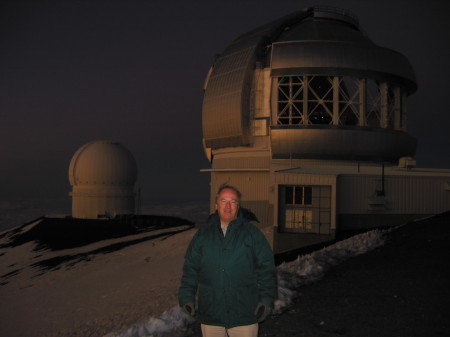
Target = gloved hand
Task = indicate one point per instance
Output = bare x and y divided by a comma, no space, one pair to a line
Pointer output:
189,309
262,311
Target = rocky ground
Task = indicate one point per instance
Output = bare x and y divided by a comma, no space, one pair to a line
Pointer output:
401,289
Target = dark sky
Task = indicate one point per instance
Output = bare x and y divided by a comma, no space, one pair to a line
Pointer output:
132,71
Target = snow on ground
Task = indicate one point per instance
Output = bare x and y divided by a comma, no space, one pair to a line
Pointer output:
305,270
89,297
131,292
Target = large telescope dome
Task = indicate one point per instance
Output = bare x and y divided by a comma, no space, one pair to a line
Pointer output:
315,85
307,117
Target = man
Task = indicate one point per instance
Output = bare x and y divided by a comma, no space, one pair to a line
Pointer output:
229,267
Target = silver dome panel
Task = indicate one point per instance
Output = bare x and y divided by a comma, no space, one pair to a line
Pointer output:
338,58
226,104
337,143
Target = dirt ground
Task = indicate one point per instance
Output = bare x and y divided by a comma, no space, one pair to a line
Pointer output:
401,289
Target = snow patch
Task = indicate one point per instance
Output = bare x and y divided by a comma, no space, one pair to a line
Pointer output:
310,268
173,322
305,270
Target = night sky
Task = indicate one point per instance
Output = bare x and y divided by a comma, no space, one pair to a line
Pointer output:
72,72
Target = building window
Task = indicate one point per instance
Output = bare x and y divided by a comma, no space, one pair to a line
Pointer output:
298,195
304,209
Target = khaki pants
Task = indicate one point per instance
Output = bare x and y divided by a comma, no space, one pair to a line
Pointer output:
238,331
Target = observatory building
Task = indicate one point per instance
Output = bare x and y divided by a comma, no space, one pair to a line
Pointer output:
102,175
307,117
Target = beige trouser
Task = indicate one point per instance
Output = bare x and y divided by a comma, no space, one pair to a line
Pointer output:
238,331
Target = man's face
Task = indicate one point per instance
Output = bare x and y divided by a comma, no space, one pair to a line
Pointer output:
227,205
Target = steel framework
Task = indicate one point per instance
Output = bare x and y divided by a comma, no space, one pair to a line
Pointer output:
338,101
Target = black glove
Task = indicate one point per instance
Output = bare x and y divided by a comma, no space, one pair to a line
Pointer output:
189,309
262,311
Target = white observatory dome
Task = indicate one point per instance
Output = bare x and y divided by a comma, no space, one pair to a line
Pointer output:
103,163
102,175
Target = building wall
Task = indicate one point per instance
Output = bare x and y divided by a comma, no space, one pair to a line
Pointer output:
89,202
358,201
248,160
362,203
402,194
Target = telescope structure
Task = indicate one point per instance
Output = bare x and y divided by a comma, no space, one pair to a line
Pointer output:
103,175
308,118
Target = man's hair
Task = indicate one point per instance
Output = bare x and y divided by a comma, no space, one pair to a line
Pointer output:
225,186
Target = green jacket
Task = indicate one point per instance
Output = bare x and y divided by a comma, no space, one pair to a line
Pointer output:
230,274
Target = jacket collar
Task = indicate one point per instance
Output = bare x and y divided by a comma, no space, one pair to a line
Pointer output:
215,219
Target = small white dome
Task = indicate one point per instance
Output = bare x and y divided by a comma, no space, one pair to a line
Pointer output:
103,162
